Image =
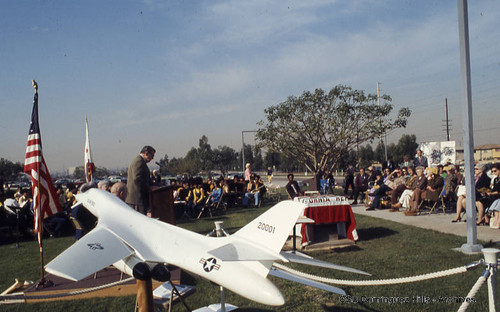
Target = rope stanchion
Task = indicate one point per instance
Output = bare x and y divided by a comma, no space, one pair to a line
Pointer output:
72,293
472,293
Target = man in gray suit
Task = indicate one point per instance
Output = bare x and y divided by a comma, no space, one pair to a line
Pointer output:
138,182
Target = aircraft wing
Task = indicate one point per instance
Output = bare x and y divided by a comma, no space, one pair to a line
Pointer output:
298,257
93,252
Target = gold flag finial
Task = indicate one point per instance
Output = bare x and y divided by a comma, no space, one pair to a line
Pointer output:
35,85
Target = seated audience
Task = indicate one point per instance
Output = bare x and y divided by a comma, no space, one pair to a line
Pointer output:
376,192
254,188
495,210
103,185
482,181
418,182
450,184
489,196
398,191
360,185
434,187
216,193
198,198
85,218
119,189
406,162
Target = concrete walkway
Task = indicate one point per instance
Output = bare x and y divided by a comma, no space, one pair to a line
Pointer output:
436,221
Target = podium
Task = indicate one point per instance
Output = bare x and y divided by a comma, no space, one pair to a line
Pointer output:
161,201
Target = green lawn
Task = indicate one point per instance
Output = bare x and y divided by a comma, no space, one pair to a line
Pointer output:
385,249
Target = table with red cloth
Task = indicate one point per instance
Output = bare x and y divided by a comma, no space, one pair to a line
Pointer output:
328,209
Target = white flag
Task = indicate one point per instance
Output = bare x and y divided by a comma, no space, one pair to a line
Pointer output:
88,164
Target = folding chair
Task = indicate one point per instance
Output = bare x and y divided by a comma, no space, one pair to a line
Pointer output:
426,203
273,192
221,203
206,206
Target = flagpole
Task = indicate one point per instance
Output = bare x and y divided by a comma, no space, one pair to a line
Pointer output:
43,283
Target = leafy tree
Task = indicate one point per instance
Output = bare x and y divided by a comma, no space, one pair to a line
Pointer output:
248,155
318,128
366,156
180,166
9,170
224,158
380,152
272,159
407,145
204,154
258,161
79,173
163,162
100,172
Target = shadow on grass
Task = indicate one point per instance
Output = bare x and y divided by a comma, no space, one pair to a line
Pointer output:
374,233
343,309
346,249
492,244
254,310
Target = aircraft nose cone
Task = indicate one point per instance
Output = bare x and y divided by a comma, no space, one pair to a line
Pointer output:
271,295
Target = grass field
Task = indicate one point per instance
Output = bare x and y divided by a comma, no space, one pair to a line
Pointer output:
385,249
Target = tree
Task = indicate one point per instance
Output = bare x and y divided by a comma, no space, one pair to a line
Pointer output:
248,155
366,156
380,152
407,145
318,128
79,172
272,159
204,154
9,170
100,173
163,162
258,161
224,158
180,166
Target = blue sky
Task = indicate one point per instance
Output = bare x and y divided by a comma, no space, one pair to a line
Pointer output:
165,73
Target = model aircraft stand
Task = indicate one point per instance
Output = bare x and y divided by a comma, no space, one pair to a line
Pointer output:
219,232
144,300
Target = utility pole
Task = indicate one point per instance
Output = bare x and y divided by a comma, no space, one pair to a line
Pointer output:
380,121
447,121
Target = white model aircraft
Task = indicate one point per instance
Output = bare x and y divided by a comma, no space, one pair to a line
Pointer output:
239,262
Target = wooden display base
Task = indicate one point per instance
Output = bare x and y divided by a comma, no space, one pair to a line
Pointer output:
105,276
324,237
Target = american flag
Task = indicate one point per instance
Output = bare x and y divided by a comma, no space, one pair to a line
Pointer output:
45,201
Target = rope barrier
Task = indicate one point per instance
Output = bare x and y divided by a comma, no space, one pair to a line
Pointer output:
391,281
72,293
472,293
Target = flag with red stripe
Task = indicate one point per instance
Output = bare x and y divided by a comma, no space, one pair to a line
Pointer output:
45,200
89,165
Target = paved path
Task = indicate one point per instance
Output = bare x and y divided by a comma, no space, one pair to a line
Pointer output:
437,222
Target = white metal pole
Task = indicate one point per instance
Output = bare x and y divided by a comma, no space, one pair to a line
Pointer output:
463,31
490,257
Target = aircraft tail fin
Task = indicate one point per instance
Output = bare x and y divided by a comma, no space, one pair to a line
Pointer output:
271,229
